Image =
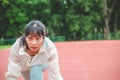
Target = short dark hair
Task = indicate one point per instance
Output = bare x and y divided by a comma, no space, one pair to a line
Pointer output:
34,27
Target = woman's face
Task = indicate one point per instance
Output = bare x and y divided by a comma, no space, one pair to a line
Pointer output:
34,42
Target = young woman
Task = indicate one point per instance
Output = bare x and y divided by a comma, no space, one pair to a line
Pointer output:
33,53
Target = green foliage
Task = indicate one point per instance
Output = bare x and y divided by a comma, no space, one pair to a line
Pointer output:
73,19
116,35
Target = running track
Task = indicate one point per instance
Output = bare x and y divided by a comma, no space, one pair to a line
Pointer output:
82,60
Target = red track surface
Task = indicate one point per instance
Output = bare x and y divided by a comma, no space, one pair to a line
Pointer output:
82,60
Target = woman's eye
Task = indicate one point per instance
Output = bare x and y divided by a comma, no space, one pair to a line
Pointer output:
38,38
29,38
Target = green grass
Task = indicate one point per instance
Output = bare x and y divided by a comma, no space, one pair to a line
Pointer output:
4,47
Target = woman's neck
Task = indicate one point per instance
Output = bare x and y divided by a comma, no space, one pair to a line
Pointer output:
31,53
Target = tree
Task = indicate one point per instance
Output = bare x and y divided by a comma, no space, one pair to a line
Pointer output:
74,19
107,16
18,13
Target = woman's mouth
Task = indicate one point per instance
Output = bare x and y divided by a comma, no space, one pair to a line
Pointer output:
33,48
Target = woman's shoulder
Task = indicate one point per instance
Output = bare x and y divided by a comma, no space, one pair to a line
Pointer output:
16,44
49,42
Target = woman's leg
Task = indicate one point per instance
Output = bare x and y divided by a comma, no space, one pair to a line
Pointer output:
36,73
44,67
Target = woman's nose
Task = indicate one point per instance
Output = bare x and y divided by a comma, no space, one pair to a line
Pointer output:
34,42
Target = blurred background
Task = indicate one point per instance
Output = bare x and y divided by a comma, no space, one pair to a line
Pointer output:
65,20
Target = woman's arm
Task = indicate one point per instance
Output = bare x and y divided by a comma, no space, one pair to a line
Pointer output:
54,71
53,65
13,66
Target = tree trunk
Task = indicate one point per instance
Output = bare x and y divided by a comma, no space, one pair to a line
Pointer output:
106,17
115,25
107,14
